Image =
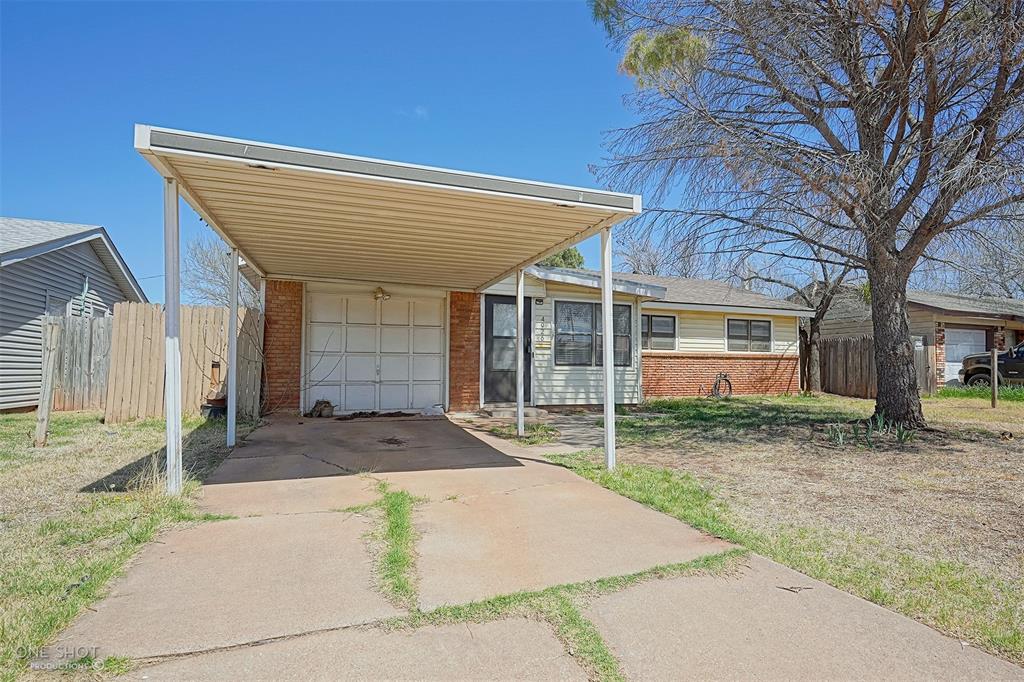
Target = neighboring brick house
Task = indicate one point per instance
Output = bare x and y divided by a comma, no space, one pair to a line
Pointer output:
956,325
370,347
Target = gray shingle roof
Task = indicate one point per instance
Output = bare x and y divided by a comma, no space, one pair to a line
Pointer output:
702,292
980,305
21,238
21,233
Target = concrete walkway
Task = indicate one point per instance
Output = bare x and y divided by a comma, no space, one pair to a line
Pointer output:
287,590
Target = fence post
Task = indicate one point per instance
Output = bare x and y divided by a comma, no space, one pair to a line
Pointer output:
51,336
995,377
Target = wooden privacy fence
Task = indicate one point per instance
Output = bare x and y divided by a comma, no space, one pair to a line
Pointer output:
79,378
135,384
848,366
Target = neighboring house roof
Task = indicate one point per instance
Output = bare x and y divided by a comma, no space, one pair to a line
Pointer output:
853,305
679,292
21,239
983,306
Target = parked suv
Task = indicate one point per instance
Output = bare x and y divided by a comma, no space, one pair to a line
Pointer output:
977,368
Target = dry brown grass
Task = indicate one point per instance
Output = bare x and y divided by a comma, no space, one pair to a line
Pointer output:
72,513
955,492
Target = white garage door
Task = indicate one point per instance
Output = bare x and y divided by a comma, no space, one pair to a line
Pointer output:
364,354
960,343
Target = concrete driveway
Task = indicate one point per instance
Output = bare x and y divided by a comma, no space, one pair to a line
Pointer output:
286,589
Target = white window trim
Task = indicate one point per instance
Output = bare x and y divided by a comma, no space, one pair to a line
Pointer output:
634,342
675,337
771,326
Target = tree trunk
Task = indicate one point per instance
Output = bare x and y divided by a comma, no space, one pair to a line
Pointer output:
814,356
898,400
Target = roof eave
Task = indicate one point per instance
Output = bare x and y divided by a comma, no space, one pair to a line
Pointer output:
584,279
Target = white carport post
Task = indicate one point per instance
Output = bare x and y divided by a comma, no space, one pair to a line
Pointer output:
520,409
172,335
608,336
233,350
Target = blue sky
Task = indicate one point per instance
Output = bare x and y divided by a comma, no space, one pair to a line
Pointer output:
521,89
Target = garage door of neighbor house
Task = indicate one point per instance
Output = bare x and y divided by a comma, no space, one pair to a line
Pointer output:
364,354
960,343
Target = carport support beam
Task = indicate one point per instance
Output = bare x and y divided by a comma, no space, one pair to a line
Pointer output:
520,350
233,351
172,335
608,343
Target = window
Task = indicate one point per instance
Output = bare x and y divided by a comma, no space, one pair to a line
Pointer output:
658,332
750,335
578,334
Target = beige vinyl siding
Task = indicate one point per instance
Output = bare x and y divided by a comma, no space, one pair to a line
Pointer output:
532,287
23,301
560,385
704,332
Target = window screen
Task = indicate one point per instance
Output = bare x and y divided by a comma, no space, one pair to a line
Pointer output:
750,335
574,333
578,333
658,332
623,323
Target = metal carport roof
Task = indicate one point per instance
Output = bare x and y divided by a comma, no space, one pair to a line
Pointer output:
305,214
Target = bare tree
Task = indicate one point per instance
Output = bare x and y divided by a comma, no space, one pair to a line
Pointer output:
207,274
863,129
815,283
987,263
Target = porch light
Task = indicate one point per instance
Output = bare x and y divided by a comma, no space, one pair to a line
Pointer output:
380,295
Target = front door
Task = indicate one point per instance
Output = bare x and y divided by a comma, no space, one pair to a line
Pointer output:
500,349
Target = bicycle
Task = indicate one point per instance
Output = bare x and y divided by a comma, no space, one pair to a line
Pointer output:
722,388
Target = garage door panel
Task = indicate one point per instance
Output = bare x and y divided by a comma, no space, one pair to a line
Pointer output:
394,396
394,339
360,368
325,367
325,308
394,368
361,340
425,395
325,392
428,313
361,311
364,354
394,311
426,368
426,340
959,344
326,337
360,397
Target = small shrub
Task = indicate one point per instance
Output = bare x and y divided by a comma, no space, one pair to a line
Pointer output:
836,434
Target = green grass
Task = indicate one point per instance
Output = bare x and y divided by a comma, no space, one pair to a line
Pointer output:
1012,393
73,513
662,420
398,559
536,434
562,607
396,537
952,597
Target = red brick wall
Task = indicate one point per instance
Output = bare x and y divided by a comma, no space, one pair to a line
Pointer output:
282,346
682,374
940,352
464,369
999,339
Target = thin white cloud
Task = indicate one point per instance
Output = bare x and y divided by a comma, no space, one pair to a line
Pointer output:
420,112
